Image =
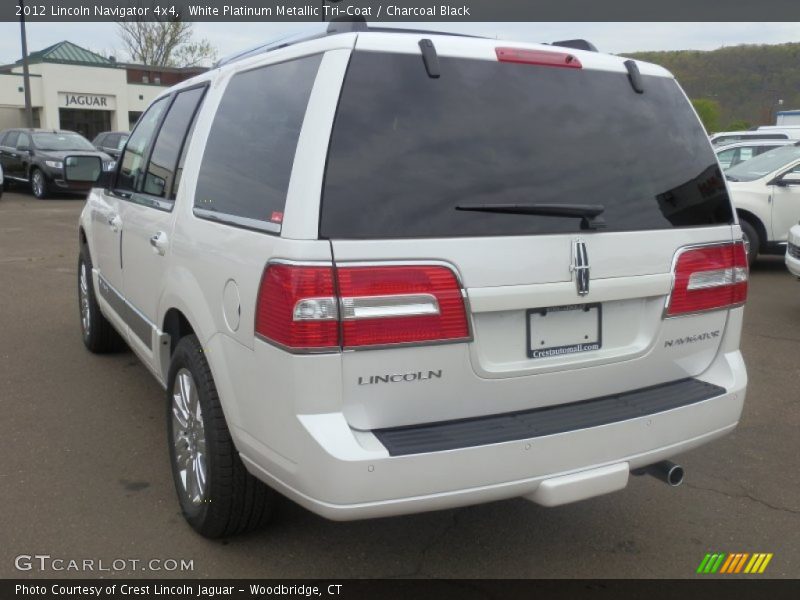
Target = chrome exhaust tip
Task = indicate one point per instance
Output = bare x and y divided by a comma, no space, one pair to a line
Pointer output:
666,471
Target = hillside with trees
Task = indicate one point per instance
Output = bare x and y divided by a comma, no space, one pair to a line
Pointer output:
736,87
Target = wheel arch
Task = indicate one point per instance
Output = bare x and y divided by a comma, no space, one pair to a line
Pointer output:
177,326
179,321
755,221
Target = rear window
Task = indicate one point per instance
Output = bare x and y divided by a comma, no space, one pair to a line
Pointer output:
407,149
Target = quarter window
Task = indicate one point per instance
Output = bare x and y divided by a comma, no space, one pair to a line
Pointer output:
245,171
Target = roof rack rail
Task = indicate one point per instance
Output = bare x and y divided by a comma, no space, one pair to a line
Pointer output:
576,45
335,26
347,25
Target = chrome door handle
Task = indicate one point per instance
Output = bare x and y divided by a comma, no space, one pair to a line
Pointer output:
159,243
114,222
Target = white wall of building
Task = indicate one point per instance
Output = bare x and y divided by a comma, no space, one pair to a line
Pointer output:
140,96
79,80
58,81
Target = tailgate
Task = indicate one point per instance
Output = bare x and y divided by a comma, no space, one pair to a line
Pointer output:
561,308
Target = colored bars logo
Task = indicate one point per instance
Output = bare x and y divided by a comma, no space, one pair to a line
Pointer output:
739,562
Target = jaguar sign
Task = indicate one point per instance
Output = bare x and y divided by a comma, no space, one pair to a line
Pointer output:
86,101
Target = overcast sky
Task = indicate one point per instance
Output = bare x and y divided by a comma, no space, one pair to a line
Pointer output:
617,38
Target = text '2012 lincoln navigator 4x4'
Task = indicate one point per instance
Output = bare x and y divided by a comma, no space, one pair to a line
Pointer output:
384,272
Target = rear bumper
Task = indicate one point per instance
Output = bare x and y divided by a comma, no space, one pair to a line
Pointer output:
347,474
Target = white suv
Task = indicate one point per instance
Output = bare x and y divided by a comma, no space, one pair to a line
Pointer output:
383,273
765,191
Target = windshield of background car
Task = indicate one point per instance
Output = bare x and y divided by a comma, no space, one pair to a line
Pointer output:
407,149
61,141
764,164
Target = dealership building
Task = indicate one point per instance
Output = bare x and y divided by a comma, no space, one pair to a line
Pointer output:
76,89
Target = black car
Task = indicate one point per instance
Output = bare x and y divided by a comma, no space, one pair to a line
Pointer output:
36,157
111,142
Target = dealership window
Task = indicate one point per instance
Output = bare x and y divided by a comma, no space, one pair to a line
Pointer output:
133,118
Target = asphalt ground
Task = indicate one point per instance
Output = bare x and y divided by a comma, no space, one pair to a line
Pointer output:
84,471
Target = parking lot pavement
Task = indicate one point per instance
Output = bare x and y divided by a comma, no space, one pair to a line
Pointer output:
84,472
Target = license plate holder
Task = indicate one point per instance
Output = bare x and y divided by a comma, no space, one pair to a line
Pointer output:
564,330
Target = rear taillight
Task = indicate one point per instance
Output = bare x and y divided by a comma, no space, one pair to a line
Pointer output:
383,305
708,278
297,307
543,58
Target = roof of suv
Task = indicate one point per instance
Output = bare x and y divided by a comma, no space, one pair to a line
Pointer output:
384,36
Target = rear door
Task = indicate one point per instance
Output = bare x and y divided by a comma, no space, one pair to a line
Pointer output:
109,228
24,154
148,215
561,307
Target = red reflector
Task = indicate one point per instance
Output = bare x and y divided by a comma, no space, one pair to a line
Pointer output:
709,278
297,307
544,58
385,305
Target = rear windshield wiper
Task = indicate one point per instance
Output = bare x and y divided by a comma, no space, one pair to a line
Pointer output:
589,214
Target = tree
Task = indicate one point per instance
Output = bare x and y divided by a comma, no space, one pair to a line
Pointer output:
739,125
166,43
708,111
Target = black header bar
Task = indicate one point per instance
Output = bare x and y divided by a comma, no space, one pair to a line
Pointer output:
383,11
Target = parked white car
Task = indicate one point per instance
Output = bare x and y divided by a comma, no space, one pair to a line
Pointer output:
793,251
375,272
766,193
731,155
769,132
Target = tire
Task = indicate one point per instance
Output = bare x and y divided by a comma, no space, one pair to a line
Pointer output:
39,183
751,241
99,335
224,499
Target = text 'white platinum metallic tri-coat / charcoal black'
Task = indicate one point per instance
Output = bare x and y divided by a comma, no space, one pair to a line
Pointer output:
389,272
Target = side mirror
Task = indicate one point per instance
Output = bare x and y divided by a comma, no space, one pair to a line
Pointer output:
84,169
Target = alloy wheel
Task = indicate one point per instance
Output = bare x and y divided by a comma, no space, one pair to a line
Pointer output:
38,184
83,297
188,438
